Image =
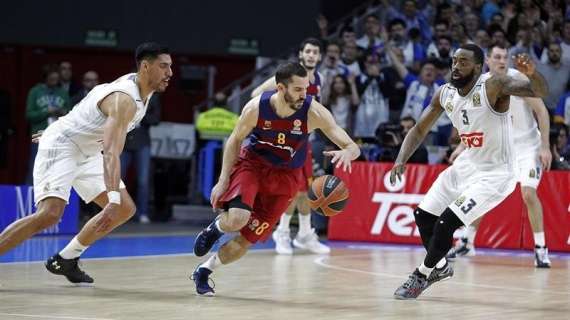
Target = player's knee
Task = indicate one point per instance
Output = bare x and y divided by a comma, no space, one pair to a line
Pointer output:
127,209
529,195
424,219
237,218
447,223
50,212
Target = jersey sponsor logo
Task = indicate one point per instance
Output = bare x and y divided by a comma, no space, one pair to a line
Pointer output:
472,140
297,127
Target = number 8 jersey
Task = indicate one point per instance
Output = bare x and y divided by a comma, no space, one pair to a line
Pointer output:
486,133
282,142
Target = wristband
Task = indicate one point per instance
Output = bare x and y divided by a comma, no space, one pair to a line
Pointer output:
114,197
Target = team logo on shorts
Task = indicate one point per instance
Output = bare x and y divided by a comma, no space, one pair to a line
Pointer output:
532,173
449,107
47,187
476,99
460,201
297,127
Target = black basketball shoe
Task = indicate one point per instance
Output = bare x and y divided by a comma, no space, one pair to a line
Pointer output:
413,287
201,277
206,239
68,268
445,273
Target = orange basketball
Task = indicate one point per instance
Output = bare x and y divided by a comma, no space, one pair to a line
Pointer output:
328,195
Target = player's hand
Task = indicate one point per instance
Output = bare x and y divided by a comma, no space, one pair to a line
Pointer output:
217,192
524,64
545,157
36,136
396,172
106,217
340,158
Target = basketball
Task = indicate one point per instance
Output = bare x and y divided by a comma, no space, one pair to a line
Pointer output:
328,195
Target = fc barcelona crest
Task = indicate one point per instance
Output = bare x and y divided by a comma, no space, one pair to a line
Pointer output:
476,99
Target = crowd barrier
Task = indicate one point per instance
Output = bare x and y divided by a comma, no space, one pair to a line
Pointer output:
380,212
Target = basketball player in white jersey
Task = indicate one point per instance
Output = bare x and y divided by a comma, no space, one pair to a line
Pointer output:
533,157
309,57
82,150
483,175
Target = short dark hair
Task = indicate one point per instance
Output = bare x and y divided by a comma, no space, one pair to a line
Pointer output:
312,41
149,51
496,45
287,70
396,21
441,21
432,61
477,52
446,37
49,69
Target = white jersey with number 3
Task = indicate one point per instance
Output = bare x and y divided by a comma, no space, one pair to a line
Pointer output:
486,133
84,125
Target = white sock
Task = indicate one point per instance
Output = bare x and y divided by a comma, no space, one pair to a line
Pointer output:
470,235
539,239
284,222
441,263
73,249
212,262
425,270
304,224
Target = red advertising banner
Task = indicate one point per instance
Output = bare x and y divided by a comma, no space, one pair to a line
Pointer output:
380,212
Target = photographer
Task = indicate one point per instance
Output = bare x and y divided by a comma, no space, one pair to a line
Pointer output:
390,137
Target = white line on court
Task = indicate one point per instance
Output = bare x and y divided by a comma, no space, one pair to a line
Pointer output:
43,316
320,261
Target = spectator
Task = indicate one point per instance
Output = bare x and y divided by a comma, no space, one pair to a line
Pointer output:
66,78
472,24
331,67
559,146
489,10
442,50
524,44
349,58
413,52
371,38
412,17
343,100
46,102
394,88
421,153
90,80
498,36
557,74
459,35
373,109
482,39
562,112
137,148
347,35
441,29
565,43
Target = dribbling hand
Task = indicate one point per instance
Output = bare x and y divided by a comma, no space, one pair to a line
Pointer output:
396,172
341,158
524,64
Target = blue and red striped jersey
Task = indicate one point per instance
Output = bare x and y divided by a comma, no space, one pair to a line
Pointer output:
280,141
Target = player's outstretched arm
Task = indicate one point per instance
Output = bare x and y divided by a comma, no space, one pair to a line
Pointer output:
246,123
269,84
321,118
416,136
120,110
502,85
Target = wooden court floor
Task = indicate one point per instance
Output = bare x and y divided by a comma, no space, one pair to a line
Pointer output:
348,284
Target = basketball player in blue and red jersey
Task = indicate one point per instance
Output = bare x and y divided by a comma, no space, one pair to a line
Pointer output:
262,167
309,57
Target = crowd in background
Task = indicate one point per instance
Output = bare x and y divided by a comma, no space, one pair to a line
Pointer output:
380,72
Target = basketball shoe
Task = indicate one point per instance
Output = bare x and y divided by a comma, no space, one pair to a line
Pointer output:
463,248
201,277
206,239
310,241
413,287
68,268
541,259
282,242
439,274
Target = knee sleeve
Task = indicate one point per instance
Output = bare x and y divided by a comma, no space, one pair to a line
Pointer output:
425,222
442,239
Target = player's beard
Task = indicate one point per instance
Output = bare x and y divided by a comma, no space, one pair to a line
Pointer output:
304,64
463,81
295,105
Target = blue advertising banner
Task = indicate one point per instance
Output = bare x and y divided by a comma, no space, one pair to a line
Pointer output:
17,202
